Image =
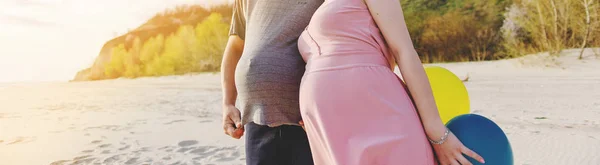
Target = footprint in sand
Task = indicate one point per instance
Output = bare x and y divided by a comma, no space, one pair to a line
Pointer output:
197,158
82,157
187,143
16,141
202,150
104,145
174,121
96,141
205,121
112,159
83,160
87,151
106,152
60,162
226,156
22,140
146,149
124,148
142,150
132,161
103,127
219,154
184,149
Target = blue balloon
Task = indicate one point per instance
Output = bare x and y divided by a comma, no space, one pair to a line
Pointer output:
483,136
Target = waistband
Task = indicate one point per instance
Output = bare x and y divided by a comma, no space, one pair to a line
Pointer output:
322,63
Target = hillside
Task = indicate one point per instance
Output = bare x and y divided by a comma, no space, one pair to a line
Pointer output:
160,28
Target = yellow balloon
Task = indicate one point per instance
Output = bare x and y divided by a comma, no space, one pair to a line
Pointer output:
451,96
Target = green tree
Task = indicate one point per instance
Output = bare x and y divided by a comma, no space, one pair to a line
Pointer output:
151,49
165,63
188,55
212,35
115,66
132,63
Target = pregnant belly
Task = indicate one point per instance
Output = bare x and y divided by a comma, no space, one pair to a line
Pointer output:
355,85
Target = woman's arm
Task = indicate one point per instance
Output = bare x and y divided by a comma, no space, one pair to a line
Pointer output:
389,18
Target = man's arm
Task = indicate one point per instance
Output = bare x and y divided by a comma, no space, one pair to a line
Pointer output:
233,52
232,124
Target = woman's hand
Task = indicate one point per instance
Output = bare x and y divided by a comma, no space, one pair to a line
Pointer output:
451,151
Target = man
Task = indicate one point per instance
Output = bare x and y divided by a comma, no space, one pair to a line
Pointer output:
261,73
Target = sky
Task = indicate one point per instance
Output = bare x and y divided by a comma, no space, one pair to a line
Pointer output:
51,40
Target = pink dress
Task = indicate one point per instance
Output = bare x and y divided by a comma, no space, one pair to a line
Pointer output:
356,110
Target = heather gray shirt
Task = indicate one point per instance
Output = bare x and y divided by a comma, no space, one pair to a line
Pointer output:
268,74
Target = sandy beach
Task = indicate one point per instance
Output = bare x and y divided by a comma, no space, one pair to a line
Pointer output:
549,107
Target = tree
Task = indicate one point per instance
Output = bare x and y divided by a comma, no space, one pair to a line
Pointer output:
115,66
589,6
513,34
151,49
132,63
212,35
455,30
553,25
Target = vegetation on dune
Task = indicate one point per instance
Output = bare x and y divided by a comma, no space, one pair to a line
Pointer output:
473,30
551,25
178,41
192,38
455,30
191,49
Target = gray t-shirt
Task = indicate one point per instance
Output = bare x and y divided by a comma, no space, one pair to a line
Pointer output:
268,74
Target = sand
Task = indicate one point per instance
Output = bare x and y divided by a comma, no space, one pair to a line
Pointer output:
548,107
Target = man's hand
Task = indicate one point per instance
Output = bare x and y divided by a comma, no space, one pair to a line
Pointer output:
302,124
232,122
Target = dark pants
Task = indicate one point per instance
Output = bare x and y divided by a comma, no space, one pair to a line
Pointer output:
283,145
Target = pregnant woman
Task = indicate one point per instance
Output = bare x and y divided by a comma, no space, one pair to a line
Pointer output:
355,109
